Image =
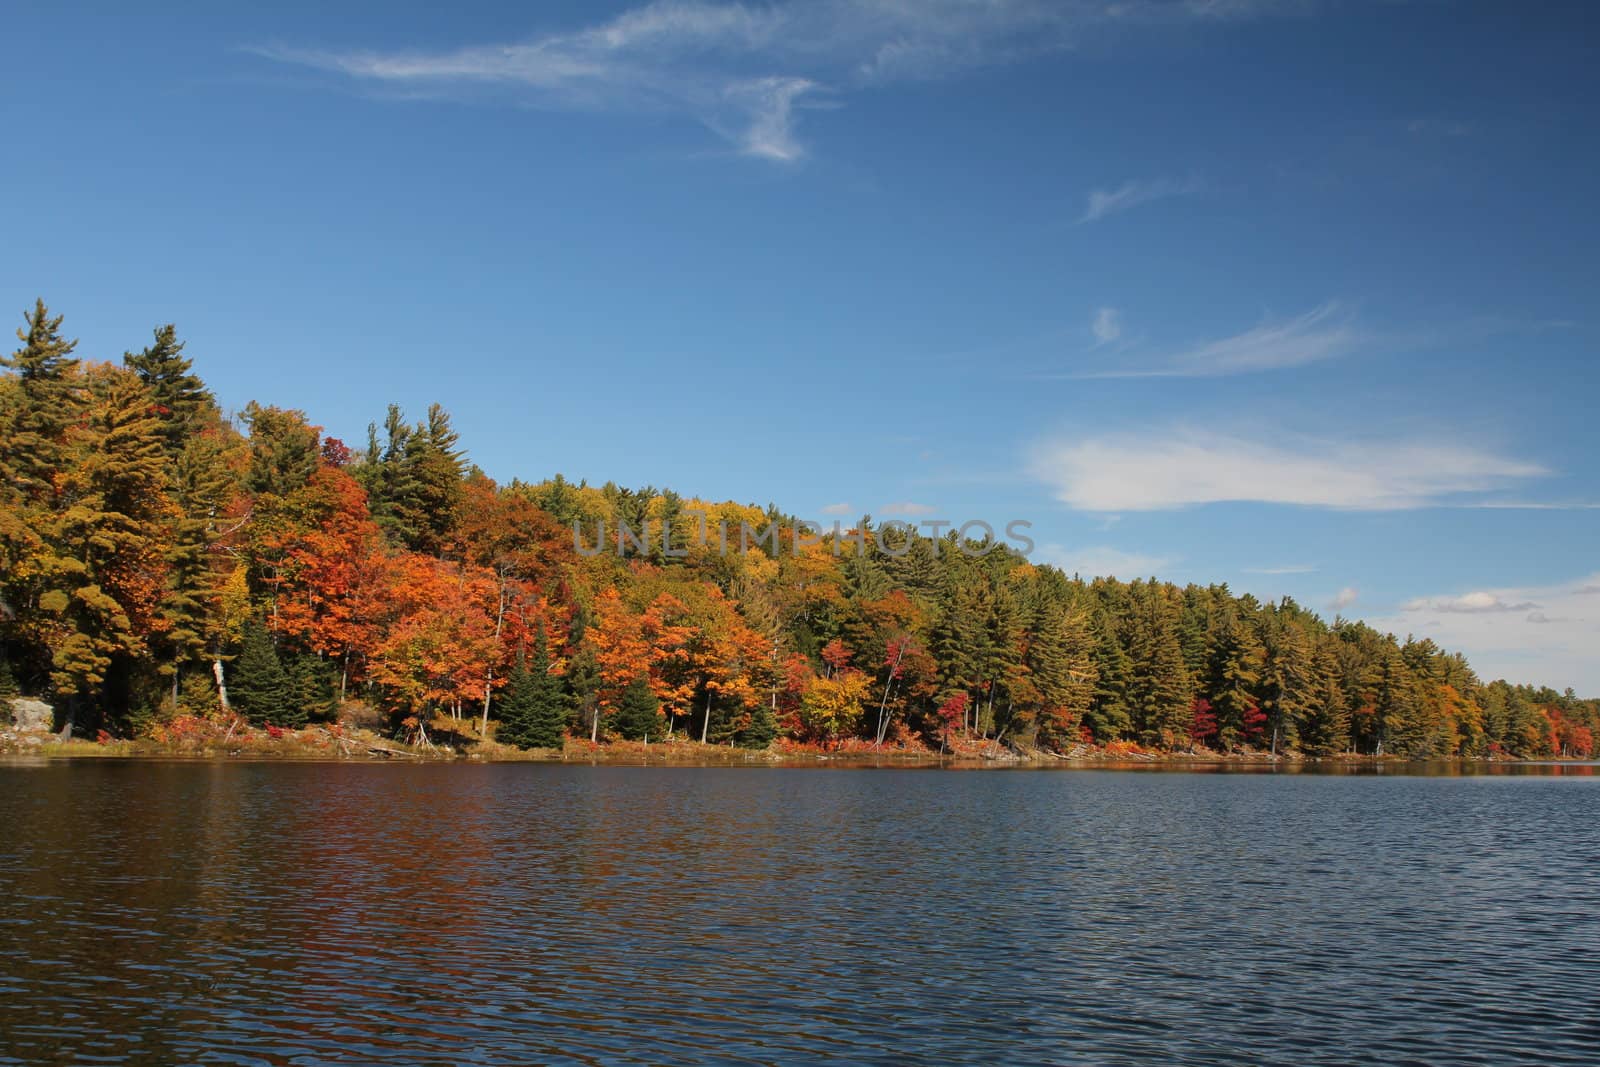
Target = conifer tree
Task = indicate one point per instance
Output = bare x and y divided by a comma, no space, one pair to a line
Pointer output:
582,686
762,728
1289,683
514,710
260,688
533,712
284,450
181,398
1061,665
44,404
638,712
1109,716
1159,692
201,484
1324,726
105,537
1233,673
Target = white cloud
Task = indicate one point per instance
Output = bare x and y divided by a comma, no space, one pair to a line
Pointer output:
907,507
1132,193
767,105
1541,635
1345,597
836,509
740,69
1153,472
1319,334
1103,561
1474,603
1107,325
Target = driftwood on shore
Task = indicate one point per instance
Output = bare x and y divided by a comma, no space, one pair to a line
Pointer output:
346,742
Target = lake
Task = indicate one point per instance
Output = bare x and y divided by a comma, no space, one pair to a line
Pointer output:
284,913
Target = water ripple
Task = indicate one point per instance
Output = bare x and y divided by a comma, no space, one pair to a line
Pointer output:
307,914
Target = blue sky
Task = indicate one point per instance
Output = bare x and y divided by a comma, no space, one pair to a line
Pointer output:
1297,296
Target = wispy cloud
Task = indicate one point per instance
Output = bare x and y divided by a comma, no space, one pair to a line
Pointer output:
1182,468
745,70
1344,598
1544,634
1475,603
1320,334
1107,326
836,509
1104,561
1103,203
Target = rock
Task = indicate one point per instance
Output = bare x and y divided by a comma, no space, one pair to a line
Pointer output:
32,716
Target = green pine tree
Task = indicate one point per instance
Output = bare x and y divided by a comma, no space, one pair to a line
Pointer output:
182,399
1325,719
45,403
514,709
259,687
638,713
533,712
1233,674
762,728
1109,717
1159,693
1061,665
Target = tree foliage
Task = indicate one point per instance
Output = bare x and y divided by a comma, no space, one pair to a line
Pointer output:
157,557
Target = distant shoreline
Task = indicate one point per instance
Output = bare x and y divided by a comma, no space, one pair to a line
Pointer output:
321,745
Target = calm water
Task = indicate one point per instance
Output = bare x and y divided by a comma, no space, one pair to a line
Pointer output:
240,913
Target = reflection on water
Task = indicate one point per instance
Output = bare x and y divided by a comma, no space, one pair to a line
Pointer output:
294,914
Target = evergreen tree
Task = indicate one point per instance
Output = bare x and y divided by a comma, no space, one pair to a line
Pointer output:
1159,693
1289,684
1109,716
514,710
44,404
582,689
414,481
638,712
201,483
533,712
1001,655
284,450
1233,674
181,398
762,728
958,640
1324,726
311,686
106,542
260,688
1060,663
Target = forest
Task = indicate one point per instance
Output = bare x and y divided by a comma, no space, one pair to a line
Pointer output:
164,563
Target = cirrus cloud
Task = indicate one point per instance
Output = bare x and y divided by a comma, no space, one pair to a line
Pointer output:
745,70
1185,468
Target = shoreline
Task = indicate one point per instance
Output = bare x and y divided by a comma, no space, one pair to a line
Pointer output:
322,744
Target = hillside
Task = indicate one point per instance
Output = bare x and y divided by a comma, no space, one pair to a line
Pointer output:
162,563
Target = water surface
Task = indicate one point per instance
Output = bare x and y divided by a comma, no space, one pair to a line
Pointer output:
268,913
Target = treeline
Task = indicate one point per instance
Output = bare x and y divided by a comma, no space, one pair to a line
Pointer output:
164,562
